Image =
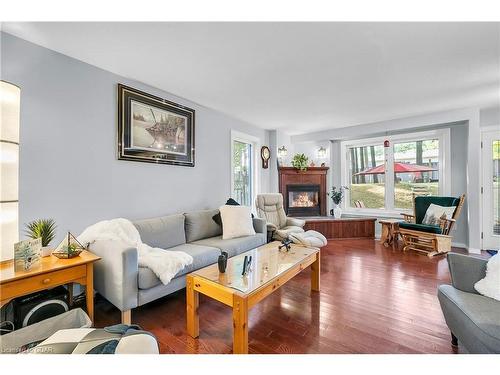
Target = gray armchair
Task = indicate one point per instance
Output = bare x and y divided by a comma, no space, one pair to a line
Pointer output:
473,319
270,208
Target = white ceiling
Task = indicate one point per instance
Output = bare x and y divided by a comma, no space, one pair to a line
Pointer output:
299,77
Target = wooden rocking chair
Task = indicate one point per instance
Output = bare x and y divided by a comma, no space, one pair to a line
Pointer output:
430,239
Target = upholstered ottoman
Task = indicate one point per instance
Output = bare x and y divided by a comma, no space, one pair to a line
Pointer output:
117,339
310,238
71,333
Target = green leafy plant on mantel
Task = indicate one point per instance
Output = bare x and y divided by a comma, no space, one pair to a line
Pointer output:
42,228
300,162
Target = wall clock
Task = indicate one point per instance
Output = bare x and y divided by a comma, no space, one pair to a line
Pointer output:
265,154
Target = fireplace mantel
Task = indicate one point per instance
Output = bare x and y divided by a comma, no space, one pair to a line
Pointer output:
313,176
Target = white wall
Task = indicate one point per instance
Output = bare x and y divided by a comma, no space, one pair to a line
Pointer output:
277,139
69,169
490,116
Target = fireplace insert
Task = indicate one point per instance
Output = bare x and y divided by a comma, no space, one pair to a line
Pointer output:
303,200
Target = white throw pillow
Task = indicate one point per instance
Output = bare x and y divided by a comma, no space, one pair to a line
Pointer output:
236,221
490,285
434,212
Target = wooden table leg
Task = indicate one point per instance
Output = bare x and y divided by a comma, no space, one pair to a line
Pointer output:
240,324
385,235
70,294
395,234
192,302
89,291
315,273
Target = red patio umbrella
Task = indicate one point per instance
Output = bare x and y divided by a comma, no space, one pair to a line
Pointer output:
398,168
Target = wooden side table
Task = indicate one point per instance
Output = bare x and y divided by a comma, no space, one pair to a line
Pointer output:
390,231
51,273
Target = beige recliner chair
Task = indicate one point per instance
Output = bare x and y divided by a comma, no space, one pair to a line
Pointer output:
270,208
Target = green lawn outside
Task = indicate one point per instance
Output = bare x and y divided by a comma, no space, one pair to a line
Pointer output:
372,195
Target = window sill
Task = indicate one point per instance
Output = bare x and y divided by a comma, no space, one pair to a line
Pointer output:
381,214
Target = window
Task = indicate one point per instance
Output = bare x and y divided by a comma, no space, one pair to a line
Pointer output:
367,184
243,168
416,171
383,174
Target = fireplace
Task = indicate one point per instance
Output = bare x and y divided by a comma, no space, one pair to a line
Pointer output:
310,186
303,200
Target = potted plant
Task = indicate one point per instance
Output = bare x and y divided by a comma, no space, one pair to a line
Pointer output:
44,229
300,162
72,250
337,196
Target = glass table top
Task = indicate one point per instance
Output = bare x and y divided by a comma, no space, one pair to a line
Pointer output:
267,263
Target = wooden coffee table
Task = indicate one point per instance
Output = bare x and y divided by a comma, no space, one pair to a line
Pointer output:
271,269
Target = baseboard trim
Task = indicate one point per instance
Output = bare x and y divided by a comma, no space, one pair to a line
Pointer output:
459,244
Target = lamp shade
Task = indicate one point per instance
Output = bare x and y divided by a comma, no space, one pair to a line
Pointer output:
282,152
322,153
10,97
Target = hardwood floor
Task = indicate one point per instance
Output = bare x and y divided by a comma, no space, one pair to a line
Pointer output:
372,300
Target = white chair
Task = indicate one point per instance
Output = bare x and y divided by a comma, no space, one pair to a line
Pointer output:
270,208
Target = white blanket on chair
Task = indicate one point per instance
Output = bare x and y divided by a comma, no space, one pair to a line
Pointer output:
164,263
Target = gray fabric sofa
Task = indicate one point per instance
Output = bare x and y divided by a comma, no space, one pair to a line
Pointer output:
119,279
473,319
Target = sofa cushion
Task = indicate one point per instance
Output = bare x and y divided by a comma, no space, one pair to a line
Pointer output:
421,227
234,246
230,202
202,257
163,232
236,221
473,318
199,225
146,278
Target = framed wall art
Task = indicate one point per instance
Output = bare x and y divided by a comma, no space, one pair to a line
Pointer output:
154,130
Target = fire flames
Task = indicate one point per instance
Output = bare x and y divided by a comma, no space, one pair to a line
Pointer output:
303,199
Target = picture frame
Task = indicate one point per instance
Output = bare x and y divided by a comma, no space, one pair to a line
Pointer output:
27,255
154,130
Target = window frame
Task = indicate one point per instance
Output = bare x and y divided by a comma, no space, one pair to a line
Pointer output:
442,135
255,143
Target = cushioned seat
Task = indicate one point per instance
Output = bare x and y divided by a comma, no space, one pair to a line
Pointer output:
310,238
421,227
202,257
475,319
233,246
286,231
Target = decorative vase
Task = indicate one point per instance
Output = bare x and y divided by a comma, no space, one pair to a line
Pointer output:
337,211
222,262
46,251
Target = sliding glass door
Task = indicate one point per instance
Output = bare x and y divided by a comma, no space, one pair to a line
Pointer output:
242,172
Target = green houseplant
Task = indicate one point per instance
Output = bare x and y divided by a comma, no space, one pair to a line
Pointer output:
44,229
300,162
337,196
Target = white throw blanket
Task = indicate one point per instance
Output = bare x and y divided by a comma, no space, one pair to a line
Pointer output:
489,286
164,263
